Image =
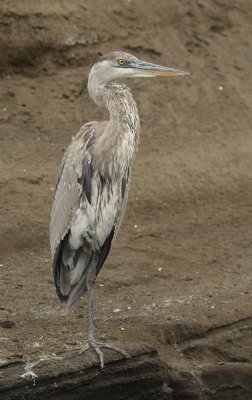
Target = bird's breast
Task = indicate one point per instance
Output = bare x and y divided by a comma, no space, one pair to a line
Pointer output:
123,154
99,216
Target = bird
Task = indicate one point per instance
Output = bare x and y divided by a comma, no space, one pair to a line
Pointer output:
92,186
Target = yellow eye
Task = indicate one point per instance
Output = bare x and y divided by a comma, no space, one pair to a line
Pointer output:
121,61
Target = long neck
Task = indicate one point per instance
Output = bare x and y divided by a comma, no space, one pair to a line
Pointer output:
118,143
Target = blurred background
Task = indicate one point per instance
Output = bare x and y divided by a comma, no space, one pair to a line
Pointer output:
179,276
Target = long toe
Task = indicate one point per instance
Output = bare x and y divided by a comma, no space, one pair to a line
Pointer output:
114,348
98,351
97,346
85,347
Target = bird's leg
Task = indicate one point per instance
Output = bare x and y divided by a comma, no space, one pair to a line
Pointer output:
91,342
90,339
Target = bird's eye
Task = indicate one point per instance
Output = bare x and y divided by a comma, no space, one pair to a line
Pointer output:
121,61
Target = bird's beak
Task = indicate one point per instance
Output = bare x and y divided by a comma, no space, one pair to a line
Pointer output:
144,68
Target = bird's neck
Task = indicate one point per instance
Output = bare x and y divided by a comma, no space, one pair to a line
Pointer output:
122,107
117,98
121,135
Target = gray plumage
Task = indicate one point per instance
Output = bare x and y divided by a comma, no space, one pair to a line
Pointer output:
92,187
106,150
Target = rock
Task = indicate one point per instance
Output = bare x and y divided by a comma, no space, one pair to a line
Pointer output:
74,376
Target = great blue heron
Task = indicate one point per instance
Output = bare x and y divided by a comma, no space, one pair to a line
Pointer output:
93,182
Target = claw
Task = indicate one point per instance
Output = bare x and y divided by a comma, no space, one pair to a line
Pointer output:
97,348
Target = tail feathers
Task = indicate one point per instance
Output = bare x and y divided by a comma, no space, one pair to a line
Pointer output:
81,264
81,286
77,291
64,281
58,268
67,291
71,268
78,277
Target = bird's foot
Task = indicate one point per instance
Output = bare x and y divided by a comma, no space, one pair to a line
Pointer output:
97,348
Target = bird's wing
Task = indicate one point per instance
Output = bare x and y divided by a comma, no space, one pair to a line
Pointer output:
68,190
74,182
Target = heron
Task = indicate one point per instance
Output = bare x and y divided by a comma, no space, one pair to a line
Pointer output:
93,183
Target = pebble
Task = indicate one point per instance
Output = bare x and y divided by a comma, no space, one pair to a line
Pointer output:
11,93
187,278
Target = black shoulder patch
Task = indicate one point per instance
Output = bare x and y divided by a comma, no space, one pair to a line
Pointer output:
124,182
123,187
77,256
102,180
86,179
105,249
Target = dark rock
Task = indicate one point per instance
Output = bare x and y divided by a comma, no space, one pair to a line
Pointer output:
74,376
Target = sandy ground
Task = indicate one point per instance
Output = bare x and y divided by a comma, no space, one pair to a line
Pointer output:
179,276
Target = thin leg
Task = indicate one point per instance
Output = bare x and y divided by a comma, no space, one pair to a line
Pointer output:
91,342
90,289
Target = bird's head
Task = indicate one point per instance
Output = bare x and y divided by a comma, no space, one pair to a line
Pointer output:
123,65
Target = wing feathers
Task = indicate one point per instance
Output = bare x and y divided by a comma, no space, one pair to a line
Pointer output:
124,183
62,275
74,207
105,251
58,269
86,179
